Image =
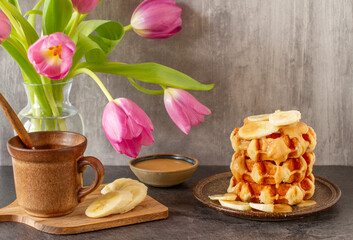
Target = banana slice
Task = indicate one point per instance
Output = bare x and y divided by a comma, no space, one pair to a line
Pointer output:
256,118
110,203
236,205
254,130
119,184
139,193
227,196
284,118
282,208
263,207
138,190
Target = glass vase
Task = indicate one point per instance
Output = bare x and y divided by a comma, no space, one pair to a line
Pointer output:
49,108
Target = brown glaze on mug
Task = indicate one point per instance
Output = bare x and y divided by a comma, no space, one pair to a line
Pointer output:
48,180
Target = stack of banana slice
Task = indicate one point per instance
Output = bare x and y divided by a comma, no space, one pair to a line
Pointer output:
120,196
272,163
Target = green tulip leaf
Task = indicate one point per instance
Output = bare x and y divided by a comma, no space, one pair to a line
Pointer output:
108,36
108,30
145,90
96,47
150,73
56,15
29,31
35,12
89,48
16,4
86,28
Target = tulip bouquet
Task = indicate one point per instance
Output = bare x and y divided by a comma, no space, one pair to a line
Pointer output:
69,46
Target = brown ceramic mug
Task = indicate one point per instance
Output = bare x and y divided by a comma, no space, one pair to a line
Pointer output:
48,179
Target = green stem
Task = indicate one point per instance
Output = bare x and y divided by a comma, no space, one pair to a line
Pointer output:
71,22
96,79
127,28
14,24
75,24
49,94
59,99
145,90
37,113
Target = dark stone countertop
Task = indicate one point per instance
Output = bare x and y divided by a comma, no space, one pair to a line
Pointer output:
188,219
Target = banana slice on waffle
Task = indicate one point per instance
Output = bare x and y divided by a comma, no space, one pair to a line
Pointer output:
255,130
261,117
282,118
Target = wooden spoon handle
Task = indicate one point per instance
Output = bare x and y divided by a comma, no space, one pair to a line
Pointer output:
16,123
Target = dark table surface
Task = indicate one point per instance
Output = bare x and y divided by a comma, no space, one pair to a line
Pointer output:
188,219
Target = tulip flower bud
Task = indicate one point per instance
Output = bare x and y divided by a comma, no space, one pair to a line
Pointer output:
184,109
5,27
127,126
84,6
157,19
51,55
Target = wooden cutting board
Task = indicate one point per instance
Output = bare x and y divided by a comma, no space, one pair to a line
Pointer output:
78,222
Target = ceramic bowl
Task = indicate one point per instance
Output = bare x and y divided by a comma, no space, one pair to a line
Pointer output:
159,178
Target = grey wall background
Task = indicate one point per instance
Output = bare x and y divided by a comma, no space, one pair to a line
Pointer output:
261,55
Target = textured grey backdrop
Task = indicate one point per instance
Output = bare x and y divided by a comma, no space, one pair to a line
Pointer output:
261,55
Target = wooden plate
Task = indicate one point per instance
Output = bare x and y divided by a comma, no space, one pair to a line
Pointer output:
326,195
78,222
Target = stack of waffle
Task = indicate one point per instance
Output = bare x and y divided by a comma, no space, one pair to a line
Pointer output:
273,159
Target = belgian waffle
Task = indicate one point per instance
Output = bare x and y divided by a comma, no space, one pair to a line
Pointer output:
290,141
283,193
268,172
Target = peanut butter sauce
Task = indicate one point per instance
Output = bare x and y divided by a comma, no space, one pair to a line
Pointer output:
163,165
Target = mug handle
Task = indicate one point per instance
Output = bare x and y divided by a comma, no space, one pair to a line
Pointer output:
99,170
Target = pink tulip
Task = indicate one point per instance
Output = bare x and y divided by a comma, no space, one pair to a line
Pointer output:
84,6
184,109
51,55
5,27
157,19
127,126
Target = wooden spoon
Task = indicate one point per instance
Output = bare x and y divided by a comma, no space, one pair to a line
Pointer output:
16,123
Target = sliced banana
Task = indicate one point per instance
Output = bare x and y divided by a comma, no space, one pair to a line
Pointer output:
227,196
284,118
139,193
119,184
263,207
256,118
138,190
236,205
254,130
282,208
110,203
